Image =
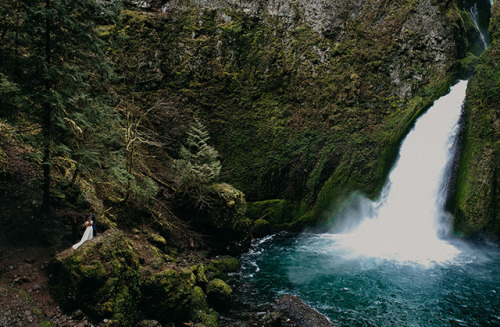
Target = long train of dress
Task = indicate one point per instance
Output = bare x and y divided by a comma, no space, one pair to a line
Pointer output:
87,235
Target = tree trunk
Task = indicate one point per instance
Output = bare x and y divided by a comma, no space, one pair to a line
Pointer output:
46,121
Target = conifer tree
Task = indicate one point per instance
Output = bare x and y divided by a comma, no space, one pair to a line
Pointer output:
198,166
63,72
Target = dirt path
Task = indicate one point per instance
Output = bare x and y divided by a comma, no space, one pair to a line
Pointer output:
25,299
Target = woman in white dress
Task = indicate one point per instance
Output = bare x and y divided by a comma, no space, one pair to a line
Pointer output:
87,235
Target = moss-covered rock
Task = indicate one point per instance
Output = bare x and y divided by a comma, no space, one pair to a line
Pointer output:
475,45
126,279
225,217
220,267
229,208
205,318
219,293
157,240
261,227
101,277
468,64
199,273
166,296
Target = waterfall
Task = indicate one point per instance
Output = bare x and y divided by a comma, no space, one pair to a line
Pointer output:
474,13
405,222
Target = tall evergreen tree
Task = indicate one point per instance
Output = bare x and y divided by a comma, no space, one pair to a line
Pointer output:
63,72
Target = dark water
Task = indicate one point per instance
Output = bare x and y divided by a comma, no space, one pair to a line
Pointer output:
360,291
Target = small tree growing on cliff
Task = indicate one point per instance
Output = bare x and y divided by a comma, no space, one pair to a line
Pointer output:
198,166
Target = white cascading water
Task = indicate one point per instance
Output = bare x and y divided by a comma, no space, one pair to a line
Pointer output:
404,223
474,13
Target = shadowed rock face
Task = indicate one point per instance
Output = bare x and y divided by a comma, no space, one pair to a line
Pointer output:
423,35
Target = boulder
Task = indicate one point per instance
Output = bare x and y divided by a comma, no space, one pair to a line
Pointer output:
292,311
221,266
224,218
166,296
218,292
124,279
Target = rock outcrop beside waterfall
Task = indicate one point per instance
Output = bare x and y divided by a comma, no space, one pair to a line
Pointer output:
477,196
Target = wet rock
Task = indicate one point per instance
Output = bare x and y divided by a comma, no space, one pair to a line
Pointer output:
292,311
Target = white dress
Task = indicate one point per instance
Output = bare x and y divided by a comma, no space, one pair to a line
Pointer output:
87,235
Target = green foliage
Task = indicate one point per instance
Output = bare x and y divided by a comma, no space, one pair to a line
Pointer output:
53,74
198,165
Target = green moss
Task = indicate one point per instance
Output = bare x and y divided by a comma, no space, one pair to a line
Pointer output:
277,212
199,273
364,169
220,267
157,240
101,277
272,210
475,45
206,318
468,64
198,299
227,264
166,296
225,217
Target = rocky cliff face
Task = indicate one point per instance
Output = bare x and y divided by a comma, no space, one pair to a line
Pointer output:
306,101
478,184
422,32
